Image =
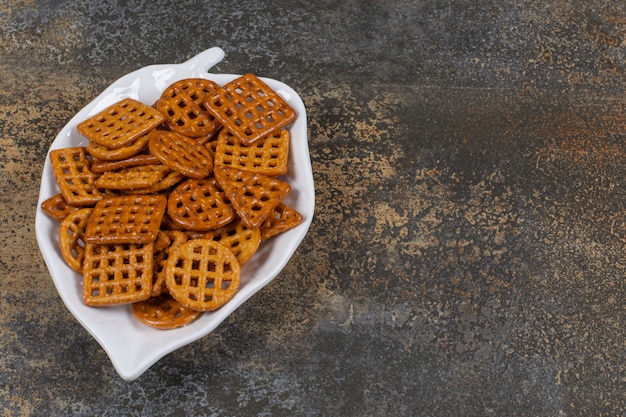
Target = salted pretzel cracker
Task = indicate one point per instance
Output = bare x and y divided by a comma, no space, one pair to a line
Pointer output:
181,153
199,205
72,238
283,218
121,123
199,235
249,108
167,240
202,274
57,208
126,219
183,105
242,241
254,196
170,180
116,274
206,139
71,168
129,150
267,156
163,312
135,177
100,167
212,145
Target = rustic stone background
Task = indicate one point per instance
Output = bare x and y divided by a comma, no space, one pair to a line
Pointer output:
467,254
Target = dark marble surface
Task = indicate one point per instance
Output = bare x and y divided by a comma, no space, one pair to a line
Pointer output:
467,254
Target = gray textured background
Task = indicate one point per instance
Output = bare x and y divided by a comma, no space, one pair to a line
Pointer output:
467,254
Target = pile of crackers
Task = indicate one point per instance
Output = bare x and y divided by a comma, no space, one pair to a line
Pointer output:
167,201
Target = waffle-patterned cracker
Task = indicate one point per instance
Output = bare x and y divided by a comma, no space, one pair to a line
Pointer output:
57,208
183,105
120,123
249,108
199,205
141,176
126,219
267,156
99,167
72,238
72,172
117,274
282,219
181,153
163,312
129,150
202,274
166,241
253,195
170,180
242,241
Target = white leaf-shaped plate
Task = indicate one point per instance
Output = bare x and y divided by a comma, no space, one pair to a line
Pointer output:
132,346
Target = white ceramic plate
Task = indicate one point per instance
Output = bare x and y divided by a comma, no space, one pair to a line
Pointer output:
132,346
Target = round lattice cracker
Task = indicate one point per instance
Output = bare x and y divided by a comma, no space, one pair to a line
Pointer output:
183,104
202,274
163,312
199,205
71,238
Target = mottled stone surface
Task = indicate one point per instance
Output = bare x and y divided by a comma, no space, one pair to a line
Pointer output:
467,254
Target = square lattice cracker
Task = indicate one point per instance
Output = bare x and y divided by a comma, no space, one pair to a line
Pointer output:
267,156
250,109
126,219
121,123
73,175
117,274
